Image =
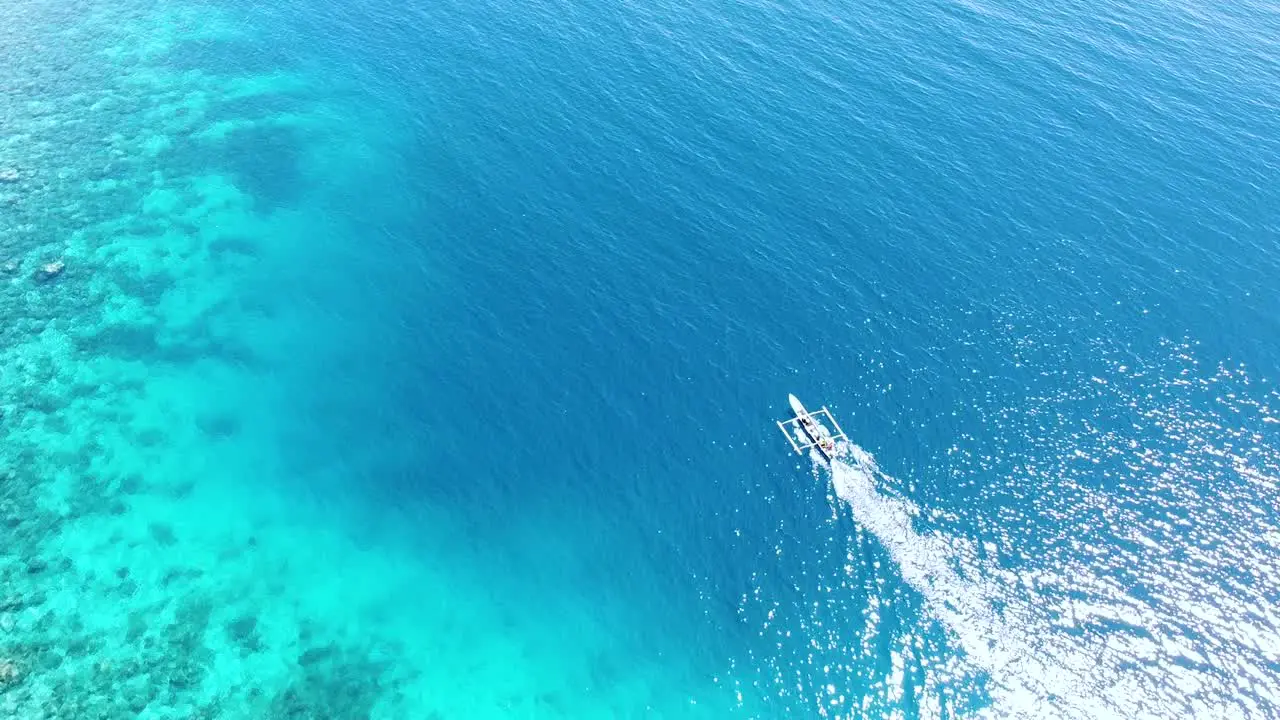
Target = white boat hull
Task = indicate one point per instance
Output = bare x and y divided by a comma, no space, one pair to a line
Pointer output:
796,406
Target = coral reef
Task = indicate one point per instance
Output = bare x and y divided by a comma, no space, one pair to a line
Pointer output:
166,550
110,605
50,270
330,683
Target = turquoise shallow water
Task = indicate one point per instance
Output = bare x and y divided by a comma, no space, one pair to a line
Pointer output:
421,361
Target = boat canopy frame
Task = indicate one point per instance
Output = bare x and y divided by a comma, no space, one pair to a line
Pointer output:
822,417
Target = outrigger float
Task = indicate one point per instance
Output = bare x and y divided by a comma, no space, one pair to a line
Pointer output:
808,430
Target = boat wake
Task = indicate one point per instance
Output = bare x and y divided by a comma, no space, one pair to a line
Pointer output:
1121,566
1034,671
1108,552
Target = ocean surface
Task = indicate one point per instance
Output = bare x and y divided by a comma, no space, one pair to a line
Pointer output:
421,360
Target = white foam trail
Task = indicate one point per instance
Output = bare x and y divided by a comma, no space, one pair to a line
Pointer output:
1033,676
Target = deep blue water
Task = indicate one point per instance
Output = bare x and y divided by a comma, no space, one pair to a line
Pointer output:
622,233
1026,253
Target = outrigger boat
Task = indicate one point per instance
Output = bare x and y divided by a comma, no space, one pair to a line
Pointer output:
807,431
